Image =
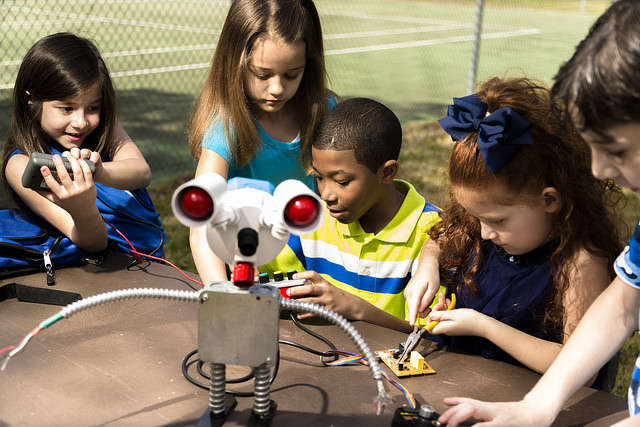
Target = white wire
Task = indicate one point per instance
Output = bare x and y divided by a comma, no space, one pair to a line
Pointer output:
95,300
123,294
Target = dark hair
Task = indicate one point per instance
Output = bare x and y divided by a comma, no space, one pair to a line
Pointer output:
366,126
223,94
557,158
57,67
600,85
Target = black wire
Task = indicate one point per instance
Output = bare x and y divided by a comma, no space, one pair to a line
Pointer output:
141,221
186,363
315,335
303,347
185,370
201,371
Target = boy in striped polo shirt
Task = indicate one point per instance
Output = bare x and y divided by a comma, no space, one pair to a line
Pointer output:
366,250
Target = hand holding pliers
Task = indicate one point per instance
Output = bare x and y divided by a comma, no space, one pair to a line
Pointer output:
414,337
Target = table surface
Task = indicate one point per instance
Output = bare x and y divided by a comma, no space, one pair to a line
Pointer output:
119,364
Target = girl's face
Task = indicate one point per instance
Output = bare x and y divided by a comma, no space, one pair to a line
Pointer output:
274,73
519,227
69,121
617,155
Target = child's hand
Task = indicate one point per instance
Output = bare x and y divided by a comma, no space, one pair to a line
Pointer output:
324,293
461,321
85,153
421,290
442,303
77,193
521,414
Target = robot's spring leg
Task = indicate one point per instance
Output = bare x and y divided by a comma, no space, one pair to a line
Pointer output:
216,388
263,407
261,389
220,403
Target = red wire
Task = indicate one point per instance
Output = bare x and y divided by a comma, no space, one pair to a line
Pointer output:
11,347
133,249
31,334
165,261
138,254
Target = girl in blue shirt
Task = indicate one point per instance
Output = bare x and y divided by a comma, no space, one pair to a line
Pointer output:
261,102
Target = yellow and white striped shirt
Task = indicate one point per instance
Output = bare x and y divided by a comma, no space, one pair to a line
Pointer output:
373,267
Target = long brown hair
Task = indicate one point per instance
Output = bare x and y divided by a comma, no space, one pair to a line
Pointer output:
223,96
557,158
57,67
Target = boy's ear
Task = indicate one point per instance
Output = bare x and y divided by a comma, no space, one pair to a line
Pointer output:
389,170
552,200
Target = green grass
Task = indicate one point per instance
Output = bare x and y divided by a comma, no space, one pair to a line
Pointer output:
423,162
419,55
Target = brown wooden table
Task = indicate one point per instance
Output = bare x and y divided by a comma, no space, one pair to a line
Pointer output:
119,365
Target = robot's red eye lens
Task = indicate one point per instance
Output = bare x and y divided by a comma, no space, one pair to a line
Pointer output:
301,211
196,203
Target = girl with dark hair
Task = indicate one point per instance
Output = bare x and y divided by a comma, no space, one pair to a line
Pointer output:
64,104
598,91
513,243
262,100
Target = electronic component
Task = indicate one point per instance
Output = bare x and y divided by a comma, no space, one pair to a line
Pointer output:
425,416
280,283
32,177
416,365
283,285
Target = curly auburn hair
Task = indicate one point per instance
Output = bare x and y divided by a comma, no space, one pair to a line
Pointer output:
558,158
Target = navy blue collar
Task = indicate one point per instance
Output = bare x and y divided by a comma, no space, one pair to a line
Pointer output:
536,256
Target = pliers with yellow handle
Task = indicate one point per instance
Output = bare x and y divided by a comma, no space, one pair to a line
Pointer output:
415,336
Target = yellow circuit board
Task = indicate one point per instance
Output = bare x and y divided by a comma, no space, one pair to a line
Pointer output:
408,369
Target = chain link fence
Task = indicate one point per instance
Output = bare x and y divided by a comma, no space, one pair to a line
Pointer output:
412,55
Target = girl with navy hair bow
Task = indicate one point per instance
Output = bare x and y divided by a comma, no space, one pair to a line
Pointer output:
598,92
527,238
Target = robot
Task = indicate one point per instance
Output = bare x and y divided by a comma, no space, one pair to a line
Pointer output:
238,321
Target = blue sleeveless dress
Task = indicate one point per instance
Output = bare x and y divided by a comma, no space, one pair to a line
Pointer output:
130,211
513,289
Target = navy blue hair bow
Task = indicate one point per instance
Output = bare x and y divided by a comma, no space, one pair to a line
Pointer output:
500,134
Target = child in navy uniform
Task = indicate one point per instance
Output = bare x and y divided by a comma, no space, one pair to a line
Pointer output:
598,91
512,243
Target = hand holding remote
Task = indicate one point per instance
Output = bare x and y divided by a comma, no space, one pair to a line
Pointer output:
75,192
90,156
32,177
